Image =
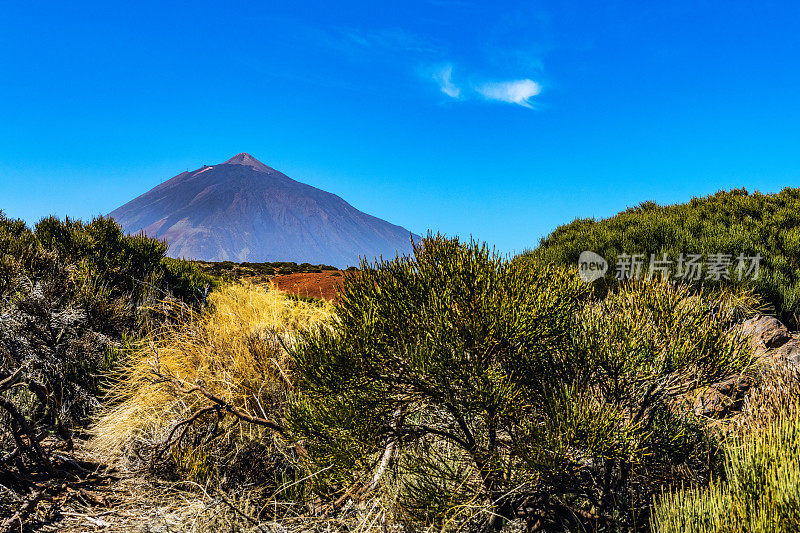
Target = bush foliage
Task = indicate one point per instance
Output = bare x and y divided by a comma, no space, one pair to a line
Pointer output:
733,222
760,492
485,390
70,294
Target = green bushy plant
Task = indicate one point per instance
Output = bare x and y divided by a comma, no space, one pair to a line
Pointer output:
760,492
732,222
128,266
482,390
187,281
70,294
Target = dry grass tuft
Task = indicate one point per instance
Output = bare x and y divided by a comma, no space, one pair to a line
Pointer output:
234,351
776,396
137,504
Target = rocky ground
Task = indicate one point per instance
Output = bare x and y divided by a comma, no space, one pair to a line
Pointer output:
772,344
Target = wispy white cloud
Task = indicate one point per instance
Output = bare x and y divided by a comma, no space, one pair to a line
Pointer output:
444,77
513,92
518,92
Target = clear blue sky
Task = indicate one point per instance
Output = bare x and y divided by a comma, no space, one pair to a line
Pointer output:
495,119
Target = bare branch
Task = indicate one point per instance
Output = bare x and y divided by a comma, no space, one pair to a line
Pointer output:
35,450
25,509
222,404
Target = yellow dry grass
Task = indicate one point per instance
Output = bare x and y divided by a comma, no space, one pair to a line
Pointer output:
234,350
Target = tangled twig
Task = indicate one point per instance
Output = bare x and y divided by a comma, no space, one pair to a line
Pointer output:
220,403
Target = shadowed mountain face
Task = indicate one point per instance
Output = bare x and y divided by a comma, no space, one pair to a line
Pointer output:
243,210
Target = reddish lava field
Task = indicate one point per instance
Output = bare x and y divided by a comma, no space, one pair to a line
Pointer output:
316,284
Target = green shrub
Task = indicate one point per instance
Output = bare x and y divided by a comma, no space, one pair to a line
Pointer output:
71,293
187,281
104,256
134,267
732,222
759,494
486,390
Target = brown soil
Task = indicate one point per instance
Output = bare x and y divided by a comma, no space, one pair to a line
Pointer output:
316,284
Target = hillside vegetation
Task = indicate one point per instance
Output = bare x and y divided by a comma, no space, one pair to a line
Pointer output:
733,222
450,390
229,270
71,296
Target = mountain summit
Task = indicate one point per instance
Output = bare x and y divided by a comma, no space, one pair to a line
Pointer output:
248,161
244,210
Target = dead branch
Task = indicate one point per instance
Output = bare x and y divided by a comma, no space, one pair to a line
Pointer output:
359,489
24,510
34,451
222,404
186,424
388,453
10,380
239,511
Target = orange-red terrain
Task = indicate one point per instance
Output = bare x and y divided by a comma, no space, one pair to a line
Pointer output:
316,284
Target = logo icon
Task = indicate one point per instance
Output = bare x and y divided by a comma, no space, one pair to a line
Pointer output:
591,266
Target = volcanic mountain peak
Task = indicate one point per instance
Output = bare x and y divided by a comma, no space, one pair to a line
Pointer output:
243,210
248,161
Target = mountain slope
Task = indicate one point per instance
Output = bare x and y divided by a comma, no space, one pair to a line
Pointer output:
243,210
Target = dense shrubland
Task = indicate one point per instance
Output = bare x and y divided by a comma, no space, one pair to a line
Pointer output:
229,270
453,389
71,294
504,391
732,222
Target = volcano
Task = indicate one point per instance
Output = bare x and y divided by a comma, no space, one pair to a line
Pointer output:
245,211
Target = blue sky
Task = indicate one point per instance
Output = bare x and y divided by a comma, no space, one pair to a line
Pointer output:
496,119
